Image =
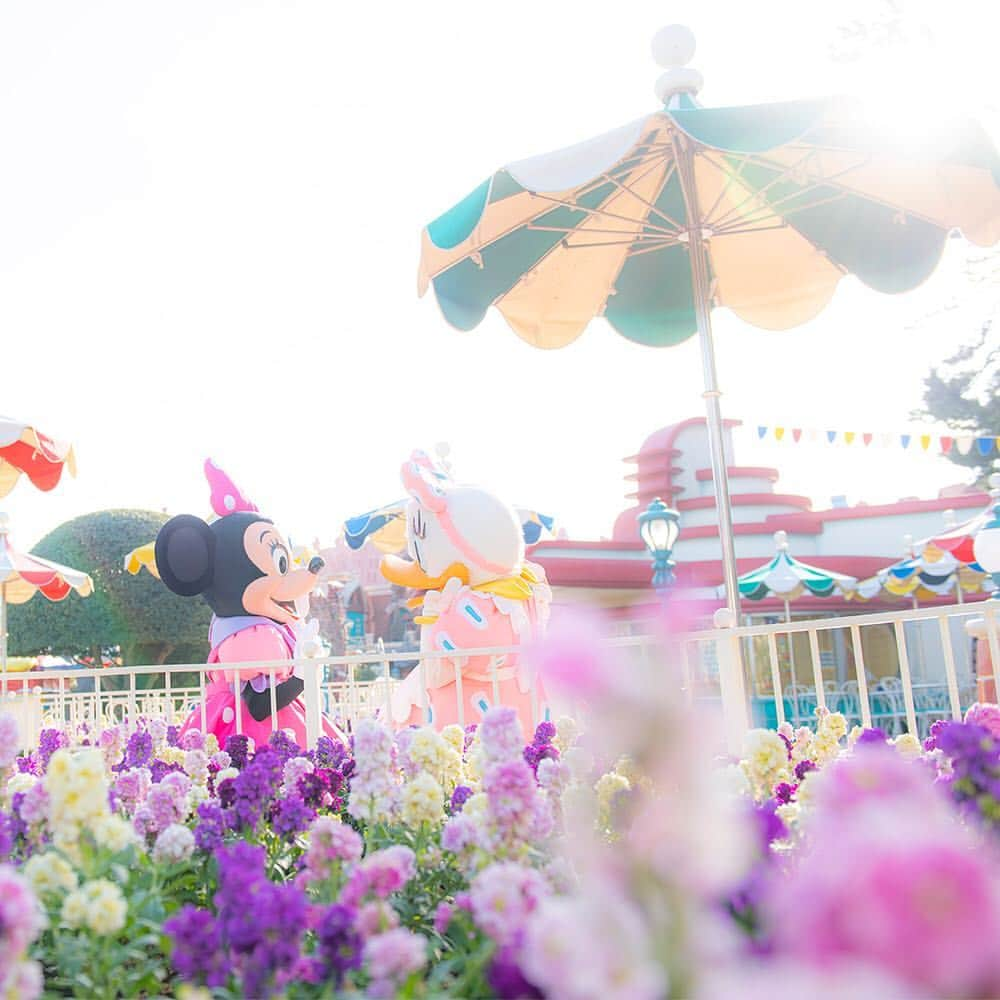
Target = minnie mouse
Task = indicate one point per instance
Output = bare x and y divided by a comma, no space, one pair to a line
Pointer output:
241,564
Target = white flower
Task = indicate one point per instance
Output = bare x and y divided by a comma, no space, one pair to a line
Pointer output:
423,801
113,833
20,783
49,873
174,844
908,745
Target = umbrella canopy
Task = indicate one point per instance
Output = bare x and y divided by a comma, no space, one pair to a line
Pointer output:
22,576
959,542
762,209
932,573
385,527
25,450
787,578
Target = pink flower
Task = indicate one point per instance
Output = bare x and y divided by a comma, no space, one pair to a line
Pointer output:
380,874
921,902
442,916
985,714
21,920
10,741
500,735
193,739
331,843
35,804
502,895
458,834
392,957
132,787
375,917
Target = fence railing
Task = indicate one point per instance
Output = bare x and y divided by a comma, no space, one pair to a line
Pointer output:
752,673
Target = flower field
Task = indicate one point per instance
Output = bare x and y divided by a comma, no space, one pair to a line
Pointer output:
623,858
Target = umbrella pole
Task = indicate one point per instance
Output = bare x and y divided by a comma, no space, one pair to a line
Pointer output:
698,256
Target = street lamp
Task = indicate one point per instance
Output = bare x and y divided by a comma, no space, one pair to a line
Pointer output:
659,526
986,546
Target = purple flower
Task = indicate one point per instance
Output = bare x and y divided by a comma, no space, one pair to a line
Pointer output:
173,735
338,944
769,824
283,745
197,954
545,732
803,768
49,741
873,735
291,816
459,797
329,753
138,751
159,769
507,980
783,792
211,828
238,748
7,836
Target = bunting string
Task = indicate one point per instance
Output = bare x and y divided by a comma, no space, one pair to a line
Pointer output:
984,447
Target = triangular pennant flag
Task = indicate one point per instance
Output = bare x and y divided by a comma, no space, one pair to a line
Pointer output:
867,438
885,440
761,432
984,446
925,441
812,434
848,437
964,444
904,440
946,443
779,433
831,436
796,434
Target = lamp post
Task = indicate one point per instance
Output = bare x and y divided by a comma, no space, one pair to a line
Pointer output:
659,526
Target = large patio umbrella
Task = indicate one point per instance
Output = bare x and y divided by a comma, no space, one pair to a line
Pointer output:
27,451
786,578
762,209
22,576
923,576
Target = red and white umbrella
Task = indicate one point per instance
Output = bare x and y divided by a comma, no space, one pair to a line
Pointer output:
22,576
25,450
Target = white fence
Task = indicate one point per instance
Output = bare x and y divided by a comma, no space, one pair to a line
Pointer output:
753,673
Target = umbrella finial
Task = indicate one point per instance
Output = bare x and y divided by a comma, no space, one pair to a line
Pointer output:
781,541
673,48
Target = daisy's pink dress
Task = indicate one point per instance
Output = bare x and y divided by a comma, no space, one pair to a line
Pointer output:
465,618
258,639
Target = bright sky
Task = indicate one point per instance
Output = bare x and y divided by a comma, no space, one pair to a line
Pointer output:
209,231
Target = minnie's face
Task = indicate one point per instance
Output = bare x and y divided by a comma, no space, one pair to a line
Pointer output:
274,594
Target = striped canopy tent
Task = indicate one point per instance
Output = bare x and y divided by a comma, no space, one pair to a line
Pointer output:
385,527
22,576
922,577
761,209
27,451
786,578
959,541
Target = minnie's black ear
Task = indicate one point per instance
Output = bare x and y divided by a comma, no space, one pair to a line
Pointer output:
185,555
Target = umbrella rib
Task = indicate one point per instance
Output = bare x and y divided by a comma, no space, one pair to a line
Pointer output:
736,225
671,170
603,212
732,176
752,195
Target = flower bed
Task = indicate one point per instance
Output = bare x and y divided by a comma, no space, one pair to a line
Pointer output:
628,861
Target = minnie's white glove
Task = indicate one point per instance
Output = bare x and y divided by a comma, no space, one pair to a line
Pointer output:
308,645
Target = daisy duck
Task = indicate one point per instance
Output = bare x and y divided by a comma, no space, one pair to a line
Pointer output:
466,549
243,567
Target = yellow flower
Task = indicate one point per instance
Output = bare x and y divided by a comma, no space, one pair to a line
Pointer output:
567,733
423,801
835,724
609,789
766,757
113,833
454,736
59,766
49,873
211,744
106,906
908,745
74,909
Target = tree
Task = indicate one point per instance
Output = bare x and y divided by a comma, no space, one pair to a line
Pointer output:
137,613
964,394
